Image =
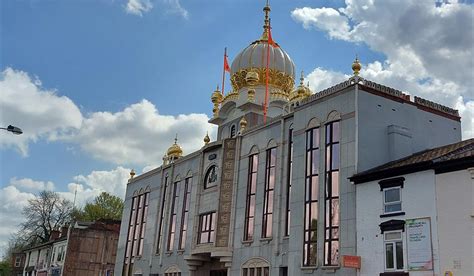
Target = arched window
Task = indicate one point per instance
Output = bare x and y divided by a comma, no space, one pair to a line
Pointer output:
211,177
232,131
256,266
173,271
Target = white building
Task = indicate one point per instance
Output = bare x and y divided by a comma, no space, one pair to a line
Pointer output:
415,215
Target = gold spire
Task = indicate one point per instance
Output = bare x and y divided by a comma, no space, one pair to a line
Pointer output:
207,139
356,66
302,78
266,25
216,99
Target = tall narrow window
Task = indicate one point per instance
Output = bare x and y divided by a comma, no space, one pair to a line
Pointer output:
288,182
331,196
311,198
162,214
232,131
393,250
172,225
184,215
250,202
206,227
267,219
136,231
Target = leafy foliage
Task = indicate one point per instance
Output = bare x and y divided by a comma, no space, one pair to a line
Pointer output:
104,206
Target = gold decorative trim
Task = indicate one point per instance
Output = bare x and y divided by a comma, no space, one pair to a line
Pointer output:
276,78
232,96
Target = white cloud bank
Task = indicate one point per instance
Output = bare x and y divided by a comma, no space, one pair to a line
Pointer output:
15,195
139,7
428,47
137,135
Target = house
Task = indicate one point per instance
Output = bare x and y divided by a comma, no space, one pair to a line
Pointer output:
415,215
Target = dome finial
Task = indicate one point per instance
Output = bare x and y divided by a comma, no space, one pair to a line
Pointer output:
176,139
356,66
266,25
206,139
302,78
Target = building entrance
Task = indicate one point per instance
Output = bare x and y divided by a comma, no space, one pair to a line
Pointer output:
221,272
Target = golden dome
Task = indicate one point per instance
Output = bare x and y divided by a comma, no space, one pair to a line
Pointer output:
253,58
356,66
207,139
301,92
175,150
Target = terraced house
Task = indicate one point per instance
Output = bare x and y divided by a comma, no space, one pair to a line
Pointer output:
271,196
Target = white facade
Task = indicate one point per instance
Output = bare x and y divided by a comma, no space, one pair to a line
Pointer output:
446,199
455,208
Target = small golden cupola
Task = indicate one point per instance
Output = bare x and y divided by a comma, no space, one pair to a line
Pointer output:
301,92
356,66
174,152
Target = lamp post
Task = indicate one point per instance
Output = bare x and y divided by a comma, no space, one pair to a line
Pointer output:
13,129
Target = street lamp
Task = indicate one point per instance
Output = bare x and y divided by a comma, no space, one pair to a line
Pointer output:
13,129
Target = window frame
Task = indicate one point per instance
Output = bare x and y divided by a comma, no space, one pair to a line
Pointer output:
393,242
385,203
173,217
162,215
310,176
210,231
269,193
206,177
252,172
185,213
330,196
288,183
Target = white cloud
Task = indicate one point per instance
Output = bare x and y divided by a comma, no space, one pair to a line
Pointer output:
320,79
12,202
139,7
136,135
139,134
428,47
32,185
38,111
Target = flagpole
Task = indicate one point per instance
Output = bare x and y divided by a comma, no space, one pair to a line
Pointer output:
223,70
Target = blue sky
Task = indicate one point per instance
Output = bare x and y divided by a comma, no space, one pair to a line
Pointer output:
99,88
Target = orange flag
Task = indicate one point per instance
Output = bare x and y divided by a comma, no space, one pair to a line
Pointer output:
226,64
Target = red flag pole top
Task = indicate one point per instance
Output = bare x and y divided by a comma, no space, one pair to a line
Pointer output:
226,68
267,33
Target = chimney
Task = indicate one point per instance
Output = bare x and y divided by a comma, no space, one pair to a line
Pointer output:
399,142
64,231
54,235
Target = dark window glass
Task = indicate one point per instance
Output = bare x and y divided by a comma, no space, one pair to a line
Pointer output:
206,228
211,177
288,182
250,202
331,196
162,214
311,198
399,253
232,131
184,214
172,225
267,219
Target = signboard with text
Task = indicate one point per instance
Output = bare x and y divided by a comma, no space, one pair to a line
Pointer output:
419,251
351,261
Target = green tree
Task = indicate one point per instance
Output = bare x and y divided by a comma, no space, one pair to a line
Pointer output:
104,206
5,269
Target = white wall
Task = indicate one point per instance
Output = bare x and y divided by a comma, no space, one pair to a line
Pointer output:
418,201
455,207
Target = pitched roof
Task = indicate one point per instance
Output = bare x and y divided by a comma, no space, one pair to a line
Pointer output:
441,159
